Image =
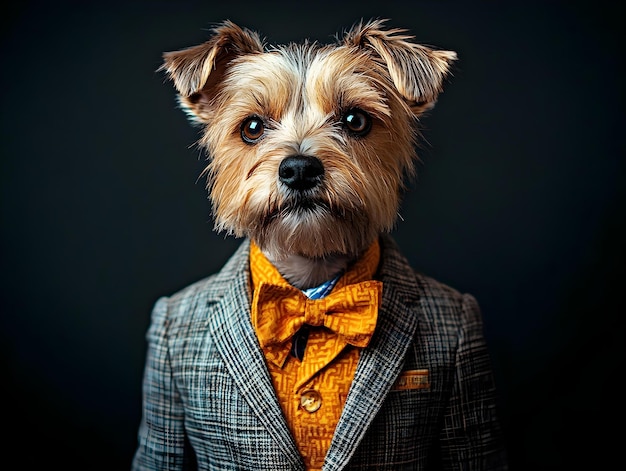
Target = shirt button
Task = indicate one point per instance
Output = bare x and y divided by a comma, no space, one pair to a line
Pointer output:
311,400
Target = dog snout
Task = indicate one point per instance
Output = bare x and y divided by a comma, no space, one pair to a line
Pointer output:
301,172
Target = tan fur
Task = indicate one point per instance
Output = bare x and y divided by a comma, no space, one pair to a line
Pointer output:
301,92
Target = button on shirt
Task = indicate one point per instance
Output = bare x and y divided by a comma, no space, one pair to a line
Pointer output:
313,391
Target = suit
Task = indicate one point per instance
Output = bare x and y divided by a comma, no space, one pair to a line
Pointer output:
209,401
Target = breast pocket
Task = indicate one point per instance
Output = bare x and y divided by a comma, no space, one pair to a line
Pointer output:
407,424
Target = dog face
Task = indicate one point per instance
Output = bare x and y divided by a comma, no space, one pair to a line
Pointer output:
309,145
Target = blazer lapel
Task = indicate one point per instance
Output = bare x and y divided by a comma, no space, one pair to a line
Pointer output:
235,340
382,361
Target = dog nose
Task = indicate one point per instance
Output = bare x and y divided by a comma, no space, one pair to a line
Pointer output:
300,172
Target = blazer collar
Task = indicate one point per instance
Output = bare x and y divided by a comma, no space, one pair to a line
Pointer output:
234,337
382,361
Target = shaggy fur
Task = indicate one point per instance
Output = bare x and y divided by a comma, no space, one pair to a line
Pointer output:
347,112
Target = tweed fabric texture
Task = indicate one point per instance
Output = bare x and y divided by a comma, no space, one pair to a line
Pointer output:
345,318
209,401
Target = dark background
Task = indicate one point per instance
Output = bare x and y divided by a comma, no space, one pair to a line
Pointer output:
519,200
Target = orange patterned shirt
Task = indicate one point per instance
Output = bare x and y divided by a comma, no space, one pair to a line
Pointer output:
312,392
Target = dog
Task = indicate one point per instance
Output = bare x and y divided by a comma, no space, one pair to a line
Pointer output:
310,147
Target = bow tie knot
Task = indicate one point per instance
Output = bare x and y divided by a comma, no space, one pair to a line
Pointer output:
279,311
314,311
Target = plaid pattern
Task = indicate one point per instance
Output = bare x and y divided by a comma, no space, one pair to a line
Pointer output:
209,403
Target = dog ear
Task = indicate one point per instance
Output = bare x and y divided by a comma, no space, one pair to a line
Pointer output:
417,71
197,70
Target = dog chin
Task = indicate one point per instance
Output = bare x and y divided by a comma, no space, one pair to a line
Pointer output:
302,211
313,231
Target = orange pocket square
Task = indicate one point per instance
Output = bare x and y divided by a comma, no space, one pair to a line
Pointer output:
412,379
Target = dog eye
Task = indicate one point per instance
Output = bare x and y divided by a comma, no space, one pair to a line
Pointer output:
357,121
252,129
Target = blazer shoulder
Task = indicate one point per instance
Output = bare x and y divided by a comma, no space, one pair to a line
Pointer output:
439,303
209,290
436,289
444,304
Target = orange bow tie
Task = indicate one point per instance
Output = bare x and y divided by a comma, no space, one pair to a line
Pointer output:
278,312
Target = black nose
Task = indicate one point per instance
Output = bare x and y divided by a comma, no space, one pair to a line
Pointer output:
300,172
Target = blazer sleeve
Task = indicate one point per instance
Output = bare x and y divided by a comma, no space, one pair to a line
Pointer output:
471,439
161,436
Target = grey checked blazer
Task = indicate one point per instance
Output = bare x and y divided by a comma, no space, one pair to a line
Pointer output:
209,402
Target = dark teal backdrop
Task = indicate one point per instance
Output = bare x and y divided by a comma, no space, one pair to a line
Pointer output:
519,200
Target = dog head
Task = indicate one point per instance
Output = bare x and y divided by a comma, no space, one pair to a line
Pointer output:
309,145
